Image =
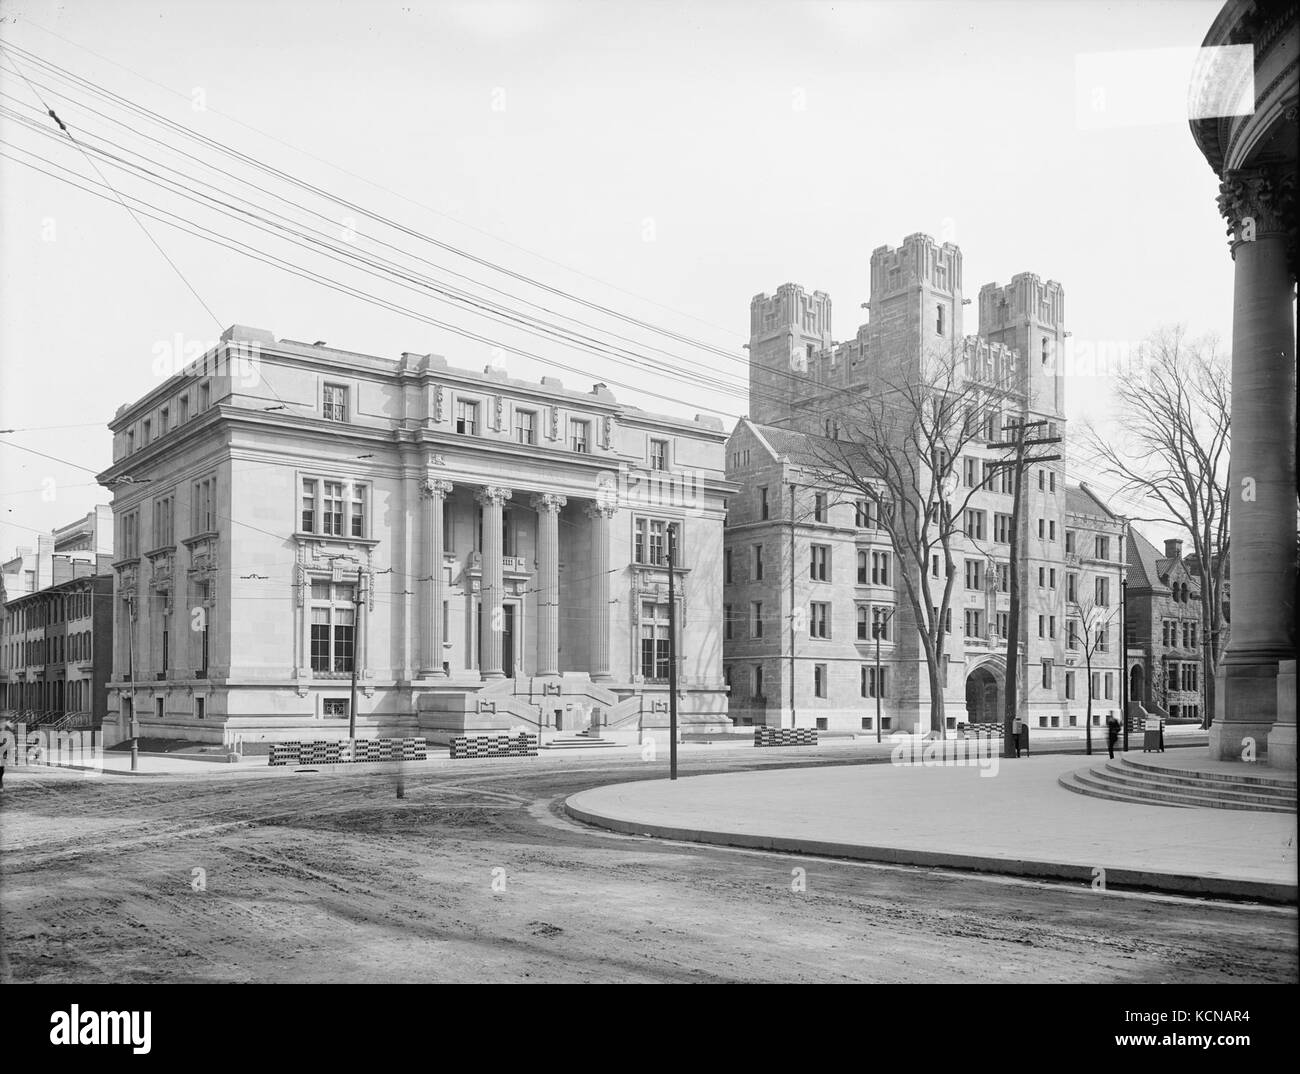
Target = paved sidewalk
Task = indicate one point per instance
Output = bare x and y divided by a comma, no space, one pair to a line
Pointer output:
1019,821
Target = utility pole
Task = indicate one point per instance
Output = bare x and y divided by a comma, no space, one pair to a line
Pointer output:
356,656
135,717
1123,638
794,722
877,631
1017,465
672,655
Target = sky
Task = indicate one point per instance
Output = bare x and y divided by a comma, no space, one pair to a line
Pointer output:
665,160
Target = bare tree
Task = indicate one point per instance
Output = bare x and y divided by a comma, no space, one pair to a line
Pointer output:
898,447
1174,413
1090,634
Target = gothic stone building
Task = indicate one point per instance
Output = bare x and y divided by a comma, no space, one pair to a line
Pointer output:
1164,622
489,553
807,572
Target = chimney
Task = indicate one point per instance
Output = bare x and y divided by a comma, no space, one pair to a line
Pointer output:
1173,549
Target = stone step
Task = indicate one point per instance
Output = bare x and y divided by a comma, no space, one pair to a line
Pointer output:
1126,770
582,744
1271,779
1098,783
1211,795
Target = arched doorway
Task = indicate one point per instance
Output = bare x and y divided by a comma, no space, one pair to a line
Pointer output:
1137,684
982,697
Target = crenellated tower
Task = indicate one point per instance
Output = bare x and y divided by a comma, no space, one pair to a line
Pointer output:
786,331
1029,316
915,302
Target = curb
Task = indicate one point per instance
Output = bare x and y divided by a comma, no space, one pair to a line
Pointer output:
1132,879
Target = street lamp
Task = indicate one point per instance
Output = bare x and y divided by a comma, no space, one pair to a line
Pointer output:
878,627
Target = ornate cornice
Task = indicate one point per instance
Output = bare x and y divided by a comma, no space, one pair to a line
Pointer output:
601,510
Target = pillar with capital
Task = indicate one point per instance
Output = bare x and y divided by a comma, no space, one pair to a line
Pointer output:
548,508
491,583
1259,205
601,515
433,495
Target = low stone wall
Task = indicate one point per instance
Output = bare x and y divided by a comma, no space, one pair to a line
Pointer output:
785,736
348,751
470,746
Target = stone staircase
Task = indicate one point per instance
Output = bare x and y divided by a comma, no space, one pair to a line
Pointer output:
1129,780
583,740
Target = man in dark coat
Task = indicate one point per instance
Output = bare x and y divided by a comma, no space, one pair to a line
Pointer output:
1112,734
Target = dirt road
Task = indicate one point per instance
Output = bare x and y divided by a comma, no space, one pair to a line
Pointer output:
476,876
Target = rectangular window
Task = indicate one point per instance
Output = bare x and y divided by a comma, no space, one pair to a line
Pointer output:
938,319
1110,686
205,396
758,562
651,545
819,507
1004,577
1002,528
975,525
1051,578
1071,634
1072,587
970,472
659,454
467,417
204,505
1042,576
335,402
973,626
758,680
1102,547
1069,685
880,620
184,404
934,566
1047,674
864,622
146,433
131,535
863,570
864,515
579,434
526,426
726,621
974,574
1004,624
308,505
358,510
756,619
726,566
1042,480
1069,541
1102,592
335,708
1042,626
1042,528
164,522
763,507
1103,639
332,514
164,420
819,564
1051,626
654,641
819,680
1051,530
819,615
1051,481
880,568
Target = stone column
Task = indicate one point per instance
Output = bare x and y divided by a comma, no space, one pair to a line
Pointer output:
548,582
491,583
433,495
600,515
1258,204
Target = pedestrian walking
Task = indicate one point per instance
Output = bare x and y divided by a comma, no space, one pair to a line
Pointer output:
1016,728
1112,734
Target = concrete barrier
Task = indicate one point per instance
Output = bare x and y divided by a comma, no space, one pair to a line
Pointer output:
465,747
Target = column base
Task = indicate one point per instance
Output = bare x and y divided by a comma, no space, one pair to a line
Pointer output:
1247,690
1227,739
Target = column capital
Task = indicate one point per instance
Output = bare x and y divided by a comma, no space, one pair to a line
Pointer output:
547,501
601,510
431,488
1259,201
491,495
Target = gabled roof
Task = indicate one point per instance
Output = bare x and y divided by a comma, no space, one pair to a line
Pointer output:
1081,500
1144,563
794,446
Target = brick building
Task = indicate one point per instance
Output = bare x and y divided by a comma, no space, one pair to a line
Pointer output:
808,571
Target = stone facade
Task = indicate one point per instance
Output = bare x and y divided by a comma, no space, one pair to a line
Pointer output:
1164,621
489,551
829,572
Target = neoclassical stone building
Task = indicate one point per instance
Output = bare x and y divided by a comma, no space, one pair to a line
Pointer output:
489,552
1254,151
808,571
